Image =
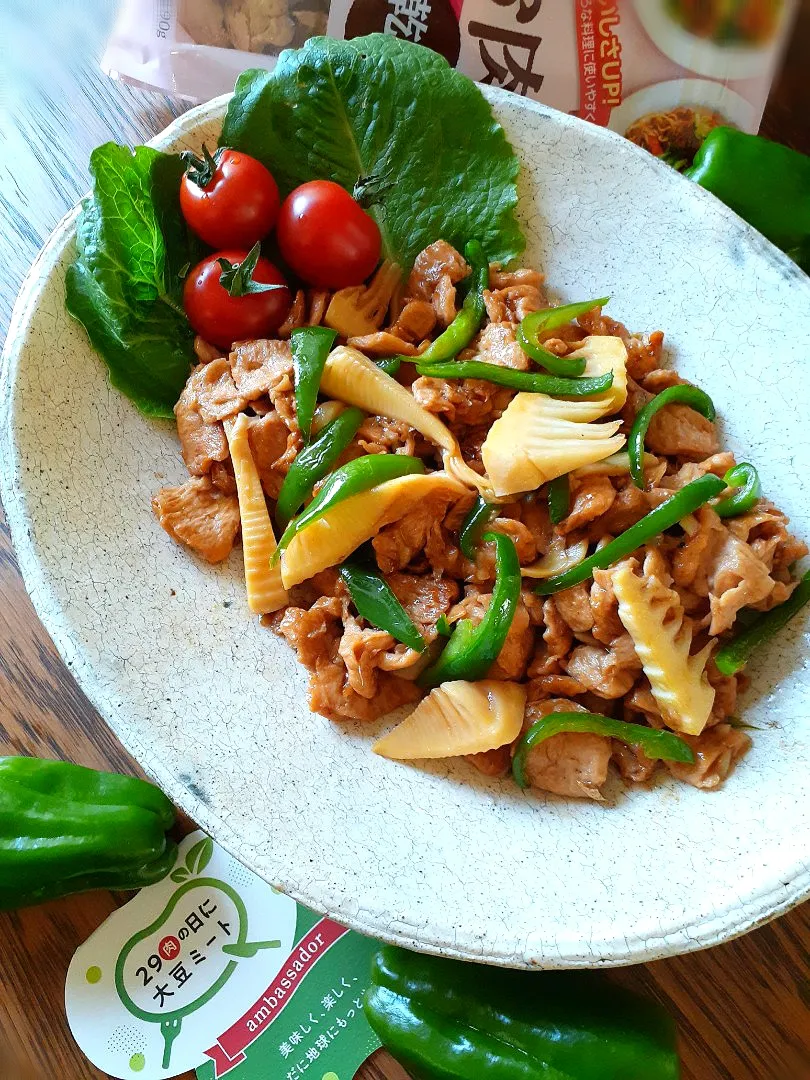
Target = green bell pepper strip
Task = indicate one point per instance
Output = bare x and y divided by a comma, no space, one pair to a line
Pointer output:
735,654
469,535
559,498
745,478
768,185
310,347
674,395
464,327
377,603
390,364
472,650
669,513
531,382
354,477
448,1020
64,828
540,322
663,745
314,462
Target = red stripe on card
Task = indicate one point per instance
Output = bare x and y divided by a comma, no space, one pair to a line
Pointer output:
229,1050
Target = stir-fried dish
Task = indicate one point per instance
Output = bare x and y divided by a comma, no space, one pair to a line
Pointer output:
750,22
439,582
512,519
676,135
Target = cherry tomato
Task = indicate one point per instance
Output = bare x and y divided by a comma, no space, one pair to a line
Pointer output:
229,200
221,318
326,237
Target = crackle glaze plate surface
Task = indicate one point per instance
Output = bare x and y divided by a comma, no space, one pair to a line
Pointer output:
214,707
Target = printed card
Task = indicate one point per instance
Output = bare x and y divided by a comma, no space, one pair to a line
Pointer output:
214,970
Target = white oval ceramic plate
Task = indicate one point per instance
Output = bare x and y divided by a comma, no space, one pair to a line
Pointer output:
716,59
214,707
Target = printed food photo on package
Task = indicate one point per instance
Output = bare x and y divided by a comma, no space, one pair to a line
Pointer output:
663,73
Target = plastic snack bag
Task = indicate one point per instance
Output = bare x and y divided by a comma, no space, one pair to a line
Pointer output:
661,72
197,48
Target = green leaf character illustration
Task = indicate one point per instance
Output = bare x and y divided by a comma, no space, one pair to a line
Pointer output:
149,968
199,856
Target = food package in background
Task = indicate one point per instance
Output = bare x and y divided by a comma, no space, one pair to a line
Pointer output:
197,48
661,72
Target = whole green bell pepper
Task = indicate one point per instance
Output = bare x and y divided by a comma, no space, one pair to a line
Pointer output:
67,829
765,183
447,1020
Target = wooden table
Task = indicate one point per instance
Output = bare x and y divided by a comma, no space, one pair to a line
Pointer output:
743,1009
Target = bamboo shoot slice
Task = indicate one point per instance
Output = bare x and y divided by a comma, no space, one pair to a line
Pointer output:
603,354
458,718
353,378
264,589
331,538
653,616
615,465
557,559
539,438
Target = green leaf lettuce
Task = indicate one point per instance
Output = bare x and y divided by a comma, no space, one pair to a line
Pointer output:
124,286
393,120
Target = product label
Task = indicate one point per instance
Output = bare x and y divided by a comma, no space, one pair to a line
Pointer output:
612,62
212,969
670,64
